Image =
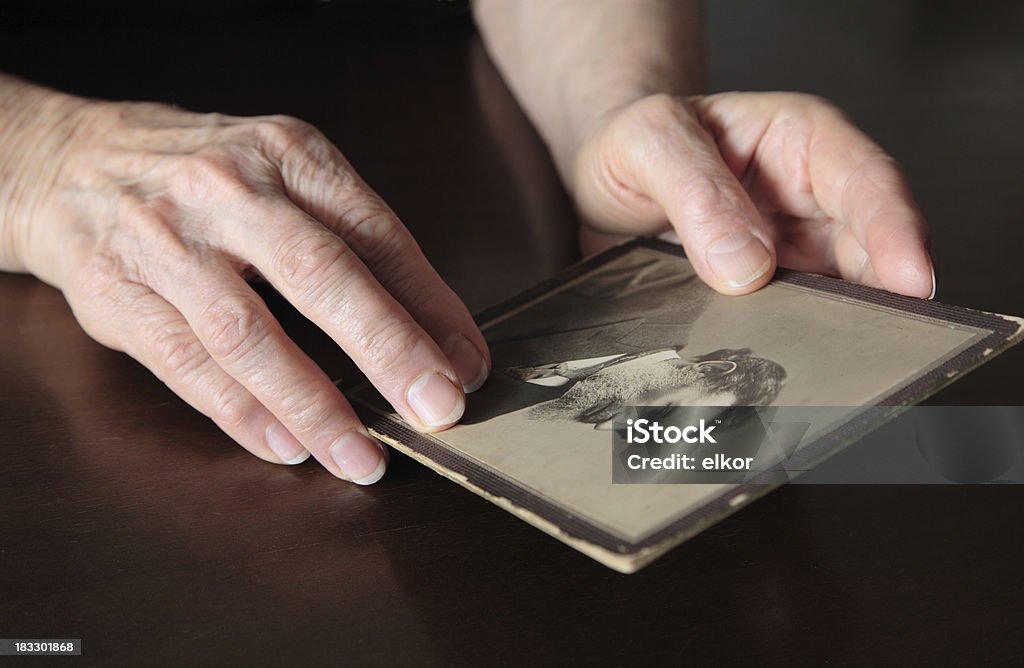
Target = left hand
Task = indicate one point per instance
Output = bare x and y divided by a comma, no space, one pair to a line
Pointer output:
749,181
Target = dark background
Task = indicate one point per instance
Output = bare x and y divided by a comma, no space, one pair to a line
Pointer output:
128,520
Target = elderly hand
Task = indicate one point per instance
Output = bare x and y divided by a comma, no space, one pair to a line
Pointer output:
150,219
751,180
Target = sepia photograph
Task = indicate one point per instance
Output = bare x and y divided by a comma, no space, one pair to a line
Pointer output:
635,327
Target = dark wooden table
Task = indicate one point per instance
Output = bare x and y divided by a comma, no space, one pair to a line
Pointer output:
130,521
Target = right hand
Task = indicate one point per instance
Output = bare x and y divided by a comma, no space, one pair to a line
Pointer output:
149,219
750,180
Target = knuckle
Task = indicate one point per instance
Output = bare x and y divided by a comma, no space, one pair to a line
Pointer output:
306,411
177,350
811,100
310,262
883,169
822,107
800,101
230,407
148,231
101,280
103,297
291,125
302,154
880,175
280,134
708,198
373,227
211,173
660,110
878,172
385,346
233,325
213,119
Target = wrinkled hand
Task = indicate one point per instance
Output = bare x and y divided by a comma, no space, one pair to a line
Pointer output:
153,217
751,180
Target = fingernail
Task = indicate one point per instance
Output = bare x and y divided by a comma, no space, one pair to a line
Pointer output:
284,445
359,457
739,259
670,236
436,401
468,362
934,285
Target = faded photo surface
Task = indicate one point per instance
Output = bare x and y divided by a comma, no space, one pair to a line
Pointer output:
642,329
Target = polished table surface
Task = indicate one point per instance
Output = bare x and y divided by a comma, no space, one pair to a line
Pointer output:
130,521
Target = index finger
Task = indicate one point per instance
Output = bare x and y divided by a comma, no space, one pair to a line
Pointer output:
322,277
321,182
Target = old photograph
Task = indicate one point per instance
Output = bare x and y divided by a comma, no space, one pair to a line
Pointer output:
636,327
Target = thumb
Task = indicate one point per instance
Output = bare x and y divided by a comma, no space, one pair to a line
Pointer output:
667,157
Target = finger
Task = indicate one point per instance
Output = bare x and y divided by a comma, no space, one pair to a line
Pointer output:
763,138
320,180
863,189
237,331
322,277
665,155
165,343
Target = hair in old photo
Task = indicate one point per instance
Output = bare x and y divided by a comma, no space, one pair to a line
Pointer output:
723,377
